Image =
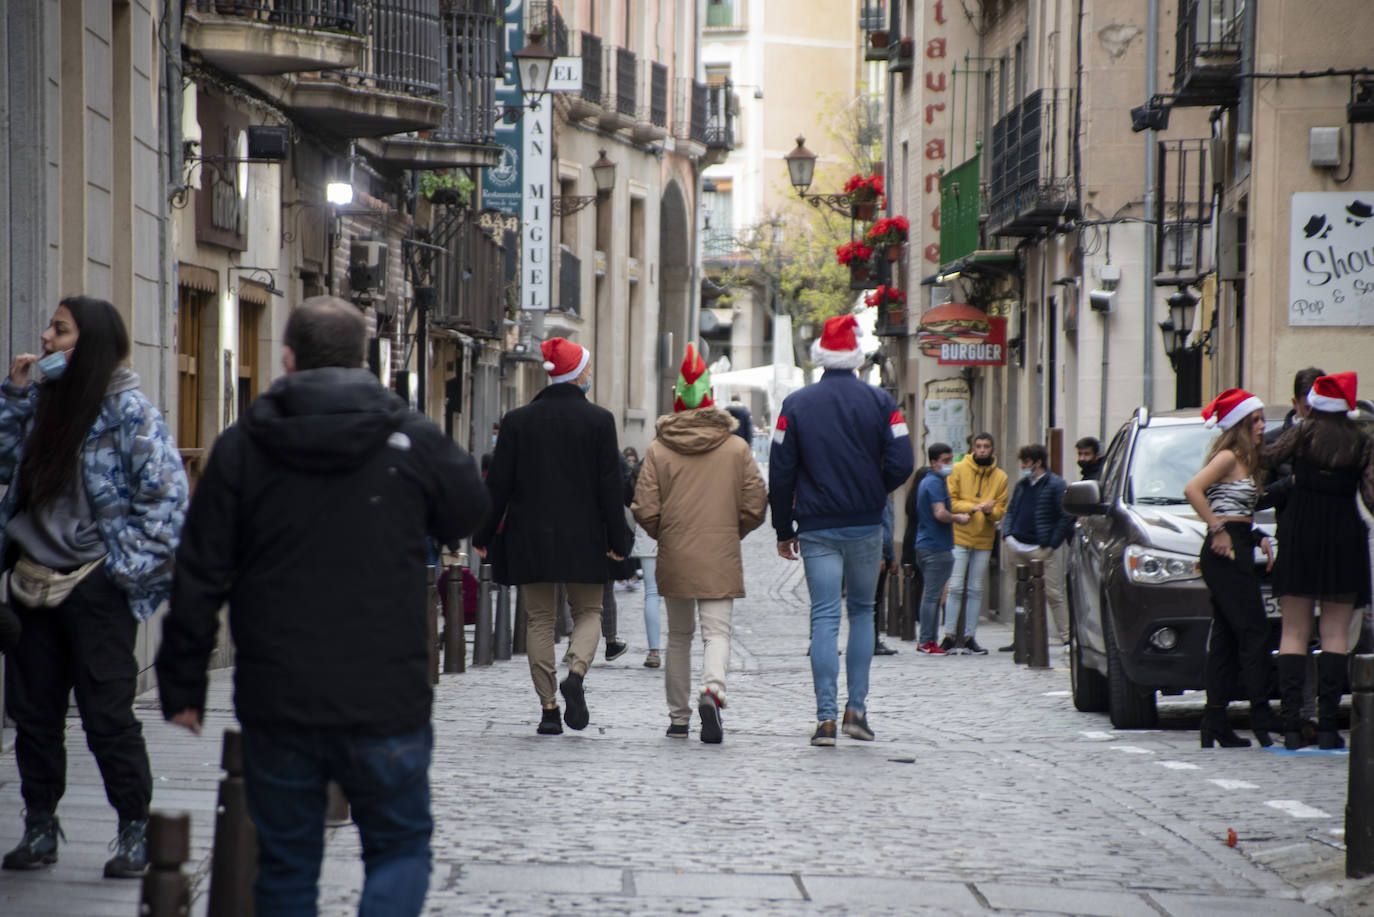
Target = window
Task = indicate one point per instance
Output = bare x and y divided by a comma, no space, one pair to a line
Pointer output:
720,14
192,305
250,315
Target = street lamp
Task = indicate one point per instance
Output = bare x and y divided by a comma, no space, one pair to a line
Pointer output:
533,64
603,173
1181,307
801,169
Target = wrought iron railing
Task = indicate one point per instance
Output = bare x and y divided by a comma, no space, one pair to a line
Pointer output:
625,82
1183,204
471,295
658,95
473,55
1208,36
403,48
701,108
591,68
545,19
873,15
1030,172
327,15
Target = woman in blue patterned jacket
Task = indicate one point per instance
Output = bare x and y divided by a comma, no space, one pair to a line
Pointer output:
88,528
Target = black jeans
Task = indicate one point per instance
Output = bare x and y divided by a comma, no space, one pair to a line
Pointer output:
1238,643
86,643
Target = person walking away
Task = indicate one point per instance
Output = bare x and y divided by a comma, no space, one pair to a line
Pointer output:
1089,458
699,494
1324,549
1036,526
839,448
1225,494
95,499
933,546
555,483
979,488
745,428
310,521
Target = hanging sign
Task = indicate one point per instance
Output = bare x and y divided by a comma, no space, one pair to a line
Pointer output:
957,334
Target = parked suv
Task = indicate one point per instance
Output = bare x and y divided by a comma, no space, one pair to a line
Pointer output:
1139,609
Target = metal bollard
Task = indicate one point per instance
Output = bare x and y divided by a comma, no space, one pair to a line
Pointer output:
234,860
894,597
1359,796
503,638
432,610
166,890
522,621
1019,642
481,636
455,638
911,603
1038,653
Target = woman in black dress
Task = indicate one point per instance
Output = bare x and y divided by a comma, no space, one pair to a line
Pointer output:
1323,549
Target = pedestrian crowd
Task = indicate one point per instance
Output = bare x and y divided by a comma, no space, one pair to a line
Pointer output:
317,514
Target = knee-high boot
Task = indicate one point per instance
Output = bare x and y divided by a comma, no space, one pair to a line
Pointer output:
1332,669
1292,675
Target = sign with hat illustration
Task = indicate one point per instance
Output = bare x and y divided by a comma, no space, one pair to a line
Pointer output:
1331,259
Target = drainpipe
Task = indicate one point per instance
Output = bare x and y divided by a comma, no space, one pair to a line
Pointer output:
1147,273
171,180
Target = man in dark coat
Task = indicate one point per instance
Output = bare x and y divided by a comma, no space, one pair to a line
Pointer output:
557,513
310,521
1034,528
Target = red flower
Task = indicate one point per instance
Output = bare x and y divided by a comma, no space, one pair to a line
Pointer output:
863,189
885,295
889,231
852,251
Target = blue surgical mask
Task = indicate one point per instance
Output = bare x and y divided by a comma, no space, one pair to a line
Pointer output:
585,386
53,365
1027,472
945,470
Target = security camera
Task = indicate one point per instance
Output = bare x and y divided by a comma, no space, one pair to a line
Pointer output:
1101,300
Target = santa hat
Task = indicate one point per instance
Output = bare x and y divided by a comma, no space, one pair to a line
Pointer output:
1230,408
693,388
564,360
838,347
1334,393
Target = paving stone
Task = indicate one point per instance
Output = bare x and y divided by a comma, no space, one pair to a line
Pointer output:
1192,906
714,885
546,877
1065,900
947,897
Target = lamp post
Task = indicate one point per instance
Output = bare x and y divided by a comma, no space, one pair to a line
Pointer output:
603,173
801,169
1184,359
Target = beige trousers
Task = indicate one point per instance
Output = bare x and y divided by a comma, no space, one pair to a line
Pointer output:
585,601
1054,586
715,638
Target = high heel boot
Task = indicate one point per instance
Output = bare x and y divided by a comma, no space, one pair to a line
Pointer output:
1215,728
1331,676
1292,675
1263,722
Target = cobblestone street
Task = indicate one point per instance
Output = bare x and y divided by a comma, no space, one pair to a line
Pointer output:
985,792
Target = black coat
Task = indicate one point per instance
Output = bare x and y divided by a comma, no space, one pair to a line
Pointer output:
310,521
557,495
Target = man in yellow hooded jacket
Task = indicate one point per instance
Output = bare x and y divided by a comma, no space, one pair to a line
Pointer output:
977,487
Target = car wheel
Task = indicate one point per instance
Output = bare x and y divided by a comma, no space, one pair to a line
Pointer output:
1131,706
1089,686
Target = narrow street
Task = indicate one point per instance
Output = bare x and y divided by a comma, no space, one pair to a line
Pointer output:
985,792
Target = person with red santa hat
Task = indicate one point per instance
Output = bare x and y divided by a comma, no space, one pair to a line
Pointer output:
557,513
1323,549
840,447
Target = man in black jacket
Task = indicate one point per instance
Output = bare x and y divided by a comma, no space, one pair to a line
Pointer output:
557,513
310,521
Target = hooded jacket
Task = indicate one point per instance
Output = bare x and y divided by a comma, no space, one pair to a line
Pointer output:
969,485
310,520
699,493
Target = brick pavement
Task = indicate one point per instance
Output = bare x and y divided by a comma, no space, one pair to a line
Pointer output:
986,792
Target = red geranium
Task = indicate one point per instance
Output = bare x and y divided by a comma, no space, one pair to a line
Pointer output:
889,231
862,189
885,296
853,251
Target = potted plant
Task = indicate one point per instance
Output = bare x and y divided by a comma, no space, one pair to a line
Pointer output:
889,233
877,40
855,255
891,302
446,187
864,193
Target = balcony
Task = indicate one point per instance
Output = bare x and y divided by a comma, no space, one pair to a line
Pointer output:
618,112
1031,188
725,15
472,61
651,120
1183,212
472,284
273,36
587,103
873,22
397,85
1207,63
891,324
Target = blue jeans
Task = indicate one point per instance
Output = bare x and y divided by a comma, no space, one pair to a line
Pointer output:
652,622
972,562
386,781
841,559
935,567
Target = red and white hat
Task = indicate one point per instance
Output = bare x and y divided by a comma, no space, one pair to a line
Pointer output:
838,347
1230,408
1335,392
564,360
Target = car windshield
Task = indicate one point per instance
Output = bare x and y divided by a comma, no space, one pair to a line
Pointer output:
1164,460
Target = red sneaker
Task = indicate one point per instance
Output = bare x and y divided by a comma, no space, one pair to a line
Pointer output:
931,648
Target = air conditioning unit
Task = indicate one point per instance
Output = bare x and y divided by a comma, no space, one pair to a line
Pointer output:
367,259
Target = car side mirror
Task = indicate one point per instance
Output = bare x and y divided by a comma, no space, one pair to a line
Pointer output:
1082,498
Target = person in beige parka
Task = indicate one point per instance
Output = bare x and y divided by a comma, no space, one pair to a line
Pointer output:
699,493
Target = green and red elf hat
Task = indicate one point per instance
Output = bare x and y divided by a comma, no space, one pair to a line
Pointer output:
693,388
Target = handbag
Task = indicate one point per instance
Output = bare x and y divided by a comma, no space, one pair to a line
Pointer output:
36,586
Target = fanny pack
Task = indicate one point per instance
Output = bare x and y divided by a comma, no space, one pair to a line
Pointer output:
36,586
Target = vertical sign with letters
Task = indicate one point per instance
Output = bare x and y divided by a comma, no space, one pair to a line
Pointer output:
537,160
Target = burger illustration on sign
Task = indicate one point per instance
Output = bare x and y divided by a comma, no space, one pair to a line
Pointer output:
959,334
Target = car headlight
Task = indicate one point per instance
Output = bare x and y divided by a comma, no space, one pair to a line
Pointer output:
1153,566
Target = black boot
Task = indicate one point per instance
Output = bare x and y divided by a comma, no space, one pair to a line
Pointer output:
1215,728
130,860
1332,669
1292,674
1263,721
39,846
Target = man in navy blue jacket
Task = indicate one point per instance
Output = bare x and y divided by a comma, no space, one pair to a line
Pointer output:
839,449
1036,525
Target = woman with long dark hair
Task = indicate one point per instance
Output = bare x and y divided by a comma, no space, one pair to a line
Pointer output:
1323,549
95,501
1224,494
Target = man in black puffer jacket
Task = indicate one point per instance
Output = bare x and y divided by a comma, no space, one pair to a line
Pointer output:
1036,525
310,521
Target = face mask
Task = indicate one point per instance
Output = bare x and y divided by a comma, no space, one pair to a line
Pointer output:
1027,472
982,462
585,387
53,365
945,470
1085,465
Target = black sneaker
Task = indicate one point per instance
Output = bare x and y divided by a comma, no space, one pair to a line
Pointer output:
709,708
130,860
882,649
947,644
576,715
971,646
856,726
825,734
615,649
551,723
677,730
39,846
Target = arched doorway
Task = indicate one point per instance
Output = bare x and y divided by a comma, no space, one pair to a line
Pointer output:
674,289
